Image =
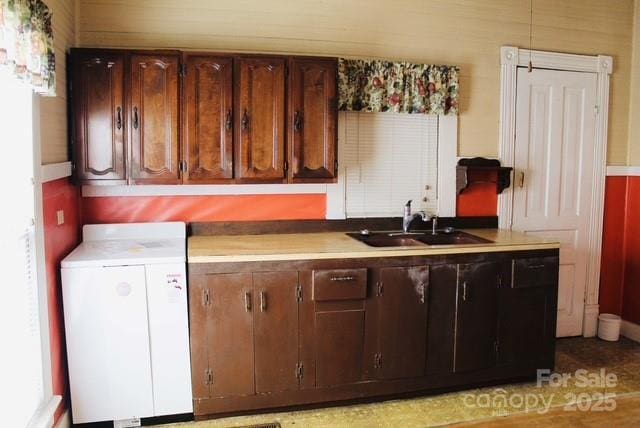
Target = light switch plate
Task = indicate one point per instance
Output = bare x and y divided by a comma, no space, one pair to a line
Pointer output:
60,217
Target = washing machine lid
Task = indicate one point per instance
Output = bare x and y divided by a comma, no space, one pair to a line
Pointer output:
129,244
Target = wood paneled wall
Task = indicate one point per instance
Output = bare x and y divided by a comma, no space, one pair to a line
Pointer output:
467,33
53,110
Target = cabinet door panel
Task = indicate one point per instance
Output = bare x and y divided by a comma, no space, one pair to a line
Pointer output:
198,336
276,331
442,318
312,119
153,117
477,316
402,326
260,119
208,119
99,116
339,347
230,334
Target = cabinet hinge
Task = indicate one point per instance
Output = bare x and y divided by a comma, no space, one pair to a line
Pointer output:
208,376
377,361
183,166
299,293
335,166
206,299
379,289
183,70
299,371
286,165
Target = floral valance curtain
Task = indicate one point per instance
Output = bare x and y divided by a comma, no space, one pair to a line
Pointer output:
26,43
401,87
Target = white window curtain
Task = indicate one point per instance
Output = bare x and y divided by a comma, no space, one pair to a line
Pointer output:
21,358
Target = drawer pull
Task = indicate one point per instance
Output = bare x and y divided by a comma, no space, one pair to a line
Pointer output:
464,291
247,301
342,278
536,266
263,301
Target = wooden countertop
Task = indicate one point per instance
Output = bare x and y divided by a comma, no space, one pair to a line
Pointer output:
337,245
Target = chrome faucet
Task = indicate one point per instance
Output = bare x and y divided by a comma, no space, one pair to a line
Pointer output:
407,218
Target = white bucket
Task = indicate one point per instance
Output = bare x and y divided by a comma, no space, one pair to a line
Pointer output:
609,327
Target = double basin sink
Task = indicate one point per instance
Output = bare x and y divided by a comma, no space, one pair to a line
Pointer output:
416,239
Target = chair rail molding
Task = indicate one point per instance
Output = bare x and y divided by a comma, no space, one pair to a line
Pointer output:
623,171
511,58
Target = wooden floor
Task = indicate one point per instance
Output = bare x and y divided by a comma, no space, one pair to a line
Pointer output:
626,414
620,358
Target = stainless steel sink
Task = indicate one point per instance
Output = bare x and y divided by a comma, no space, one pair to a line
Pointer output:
386,239
398,239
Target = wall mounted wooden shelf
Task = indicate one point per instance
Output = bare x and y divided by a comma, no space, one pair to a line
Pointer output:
475,170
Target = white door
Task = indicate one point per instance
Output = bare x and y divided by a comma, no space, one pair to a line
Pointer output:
105,316
553,177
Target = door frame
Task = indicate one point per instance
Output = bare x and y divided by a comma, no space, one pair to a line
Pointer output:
511,58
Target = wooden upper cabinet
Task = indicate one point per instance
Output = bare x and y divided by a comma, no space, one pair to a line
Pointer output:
153,115
260,119
312,119
99,116
208,118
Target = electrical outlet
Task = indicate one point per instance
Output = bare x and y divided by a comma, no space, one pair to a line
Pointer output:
60,217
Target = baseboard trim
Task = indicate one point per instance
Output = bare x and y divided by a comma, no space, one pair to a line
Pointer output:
590,320
65,420
630,330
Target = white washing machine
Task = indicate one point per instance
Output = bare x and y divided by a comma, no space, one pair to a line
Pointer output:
125,311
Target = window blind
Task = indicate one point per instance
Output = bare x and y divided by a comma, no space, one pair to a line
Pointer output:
389,158
21,367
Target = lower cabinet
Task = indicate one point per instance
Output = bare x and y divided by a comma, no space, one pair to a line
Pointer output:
476,328
398,324
244,333
318,331
338,329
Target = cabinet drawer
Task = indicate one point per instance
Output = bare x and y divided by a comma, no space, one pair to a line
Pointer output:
339,284
534,272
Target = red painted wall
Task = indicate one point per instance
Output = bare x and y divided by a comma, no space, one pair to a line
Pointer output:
481,197
58,242
620,271
631,292
202,208
612,260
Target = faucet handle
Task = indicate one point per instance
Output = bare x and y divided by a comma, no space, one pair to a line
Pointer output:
408,204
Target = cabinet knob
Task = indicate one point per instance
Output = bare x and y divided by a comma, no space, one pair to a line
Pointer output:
297,121
119,118
135,118
245,121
